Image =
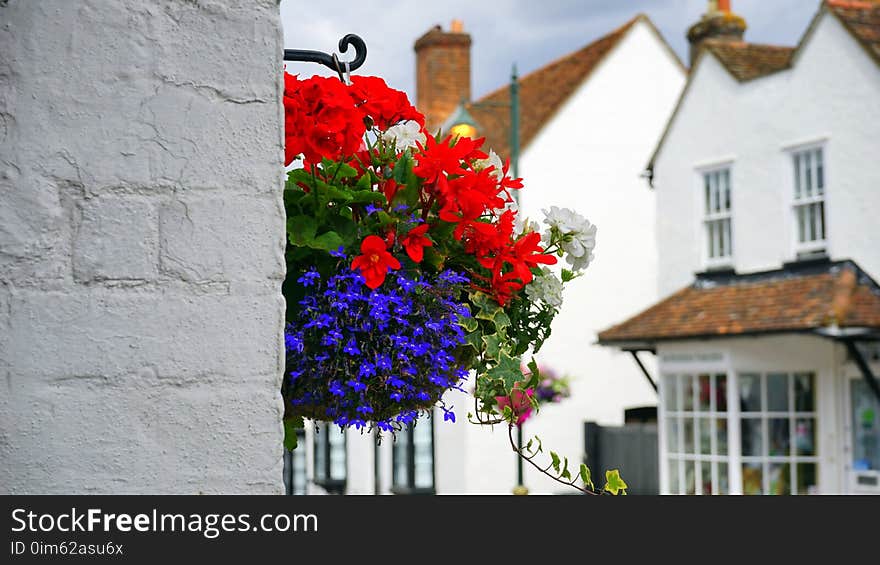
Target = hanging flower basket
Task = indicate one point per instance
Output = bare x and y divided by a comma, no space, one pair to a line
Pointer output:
408,270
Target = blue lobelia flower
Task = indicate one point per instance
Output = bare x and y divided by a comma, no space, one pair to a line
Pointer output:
341,334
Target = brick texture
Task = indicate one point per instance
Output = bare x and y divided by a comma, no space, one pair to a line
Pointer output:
141,247
443,74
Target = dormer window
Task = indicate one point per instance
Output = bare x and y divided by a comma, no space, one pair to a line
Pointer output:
717,221
809,201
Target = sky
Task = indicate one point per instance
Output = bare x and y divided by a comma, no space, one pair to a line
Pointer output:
526,32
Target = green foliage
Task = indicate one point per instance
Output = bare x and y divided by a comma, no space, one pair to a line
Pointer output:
586,476
565,474
613,483
290,427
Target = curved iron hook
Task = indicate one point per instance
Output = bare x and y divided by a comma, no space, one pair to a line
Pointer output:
307,56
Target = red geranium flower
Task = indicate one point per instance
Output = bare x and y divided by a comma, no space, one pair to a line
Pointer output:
434,158
374,261
415,243
526,253
383,104
320,120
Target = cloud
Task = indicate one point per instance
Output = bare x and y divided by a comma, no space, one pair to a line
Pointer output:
505,32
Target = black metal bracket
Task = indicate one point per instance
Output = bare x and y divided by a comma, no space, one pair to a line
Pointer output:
635,355
332,62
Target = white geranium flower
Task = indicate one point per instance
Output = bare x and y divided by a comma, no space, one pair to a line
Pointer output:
404,135
492,161
578,235
546,288
524,225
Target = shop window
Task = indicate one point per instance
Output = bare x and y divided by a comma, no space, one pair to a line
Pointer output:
695,416
778,433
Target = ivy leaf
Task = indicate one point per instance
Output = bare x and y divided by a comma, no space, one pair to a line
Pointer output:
493,345
540,445
533,367
501,320
301,229
613,483
487,311
586,476
507,370
565,473
534,374
468,323
474,339
555,461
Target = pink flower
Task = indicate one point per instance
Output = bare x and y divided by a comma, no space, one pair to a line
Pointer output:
519,402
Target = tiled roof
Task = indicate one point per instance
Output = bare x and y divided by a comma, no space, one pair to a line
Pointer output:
747,61
541,93
794,299
862,19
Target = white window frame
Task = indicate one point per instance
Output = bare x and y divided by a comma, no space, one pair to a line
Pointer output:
710,219
794,202
718,363
765,415
674,422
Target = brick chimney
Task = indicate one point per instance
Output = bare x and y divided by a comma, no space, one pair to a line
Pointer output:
443,72
717,23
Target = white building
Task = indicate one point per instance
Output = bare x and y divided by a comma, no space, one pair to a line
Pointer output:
767,182
601,110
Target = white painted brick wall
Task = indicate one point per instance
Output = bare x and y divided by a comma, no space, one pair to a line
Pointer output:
141,246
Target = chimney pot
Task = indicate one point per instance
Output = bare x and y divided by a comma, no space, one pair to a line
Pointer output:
718,23
457,26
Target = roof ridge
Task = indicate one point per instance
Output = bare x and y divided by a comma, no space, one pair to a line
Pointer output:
563,58
801,268
724,42
857,4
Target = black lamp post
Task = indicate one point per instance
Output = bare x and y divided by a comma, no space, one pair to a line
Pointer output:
464,125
